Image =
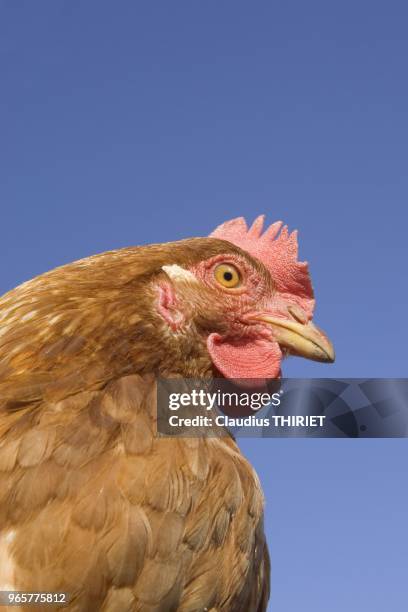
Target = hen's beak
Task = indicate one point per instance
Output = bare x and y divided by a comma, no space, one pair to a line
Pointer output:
302,339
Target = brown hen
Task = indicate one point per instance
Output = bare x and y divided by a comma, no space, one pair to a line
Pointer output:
92,502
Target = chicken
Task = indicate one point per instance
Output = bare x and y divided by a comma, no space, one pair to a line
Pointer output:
92,502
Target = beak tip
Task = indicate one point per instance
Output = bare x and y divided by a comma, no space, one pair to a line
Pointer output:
322,355
330,354
326,353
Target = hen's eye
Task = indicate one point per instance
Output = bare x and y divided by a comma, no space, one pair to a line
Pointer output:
227,275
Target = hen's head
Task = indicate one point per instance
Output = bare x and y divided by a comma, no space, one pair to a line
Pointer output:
233,304
247,302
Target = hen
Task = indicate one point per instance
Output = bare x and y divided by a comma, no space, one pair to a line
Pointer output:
92,502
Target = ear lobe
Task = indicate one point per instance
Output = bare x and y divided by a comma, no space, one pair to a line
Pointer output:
167,306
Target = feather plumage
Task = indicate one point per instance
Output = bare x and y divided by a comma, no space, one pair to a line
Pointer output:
98,505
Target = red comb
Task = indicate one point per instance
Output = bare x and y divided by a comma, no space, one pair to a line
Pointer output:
277,250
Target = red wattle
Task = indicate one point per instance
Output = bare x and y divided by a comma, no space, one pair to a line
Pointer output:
258,359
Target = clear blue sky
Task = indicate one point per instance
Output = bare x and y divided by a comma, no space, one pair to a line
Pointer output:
131,122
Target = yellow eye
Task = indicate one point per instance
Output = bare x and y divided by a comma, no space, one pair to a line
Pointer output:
227,276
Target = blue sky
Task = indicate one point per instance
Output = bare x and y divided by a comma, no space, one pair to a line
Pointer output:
133,122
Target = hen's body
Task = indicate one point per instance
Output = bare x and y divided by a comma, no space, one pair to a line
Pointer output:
92,503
